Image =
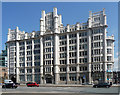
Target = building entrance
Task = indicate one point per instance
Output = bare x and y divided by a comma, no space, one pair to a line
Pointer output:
48,78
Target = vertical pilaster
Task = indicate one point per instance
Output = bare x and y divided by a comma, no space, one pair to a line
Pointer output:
42,80
56,46
105,54
43,17
67,59
41,60
25,63
56,58
89,55
33,60
17,61
8,58
77,57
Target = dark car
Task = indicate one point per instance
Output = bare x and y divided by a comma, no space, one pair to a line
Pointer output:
107,85
32,84
9,85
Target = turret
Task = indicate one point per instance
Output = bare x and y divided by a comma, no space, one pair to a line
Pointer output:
68,28
43,17
105,18
90,19
77,26
8,34
55,20
17,33
26,34
41,26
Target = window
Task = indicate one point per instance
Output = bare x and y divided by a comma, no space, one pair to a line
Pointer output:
29,63
48,44
37,63
72,48
21,43
63,42
37,70
37,57
63,69
72,68
29,47
73,41
109,58
72,61
63,61
72,77
29,70
72,35
63,55
109,43
82,34
97,19
29,42
48,38
29,58
109,51
48,50
37,41
83,60
29,52
48,56
83,40
62,77
36,46
63,48
72,54
36,51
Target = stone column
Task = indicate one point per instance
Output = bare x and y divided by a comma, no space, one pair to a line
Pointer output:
89,54
33,61
25,63
8,62
67,76
56,58
78,57
56,46
43,17
17,61
41,60
42,80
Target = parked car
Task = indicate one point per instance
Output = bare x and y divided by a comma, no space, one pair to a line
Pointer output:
107,85
32,84
8,81
9,85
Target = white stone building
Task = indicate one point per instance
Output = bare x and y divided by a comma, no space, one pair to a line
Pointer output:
80,53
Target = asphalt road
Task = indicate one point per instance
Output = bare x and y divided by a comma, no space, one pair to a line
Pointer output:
61,91
53,94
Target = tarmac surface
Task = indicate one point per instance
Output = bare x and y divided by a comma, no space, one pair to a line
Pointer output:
62,90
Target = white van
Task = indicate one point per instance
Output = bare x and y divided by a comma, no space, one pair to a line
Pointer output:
8,81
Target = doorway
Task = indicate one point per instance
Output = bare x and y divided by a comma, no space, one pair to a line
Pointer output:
48,79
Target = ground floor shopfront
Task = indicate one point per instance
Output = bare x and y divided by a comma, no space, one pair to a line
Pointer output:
66,78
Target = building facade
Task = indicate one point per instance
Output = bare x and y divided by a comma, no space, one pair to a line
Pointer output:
58,54
3,57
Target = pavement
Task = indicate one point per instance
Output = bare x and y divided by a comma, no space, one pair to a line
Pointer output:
62,89
84,90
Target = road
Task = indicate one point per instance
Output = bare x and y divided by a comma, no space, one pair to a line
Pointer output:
61,91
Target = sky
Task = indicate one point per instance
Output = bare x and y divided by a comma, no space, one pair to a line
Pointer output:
26,15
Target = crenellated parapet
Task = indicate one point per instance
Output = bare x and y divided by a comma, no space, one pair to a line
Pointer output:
51,23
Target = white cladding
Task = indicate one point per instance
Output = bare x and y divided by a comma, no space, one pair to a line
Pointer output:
80,53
